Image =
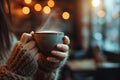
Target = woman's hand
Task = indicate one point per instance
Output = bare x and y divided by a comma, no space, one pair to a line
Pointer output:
59,57
62,52
23,59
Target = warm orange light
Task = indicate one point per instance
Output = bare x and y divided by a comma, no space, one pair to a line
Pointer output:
66,15
18,12
27,1
95,3
101,14
46,10
26,10
51,3
37,7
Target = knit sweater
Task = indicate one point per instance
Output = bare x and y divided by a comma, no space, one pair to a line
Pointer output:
9,71
41,74
6,74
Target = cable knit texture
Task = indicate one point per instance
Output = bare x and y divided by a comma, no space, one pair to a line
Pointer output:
21,61
7,75
39,75
46,71
21,66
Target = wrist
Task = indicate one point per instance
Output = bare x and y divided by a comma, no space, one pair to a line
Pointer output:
46,66
42,75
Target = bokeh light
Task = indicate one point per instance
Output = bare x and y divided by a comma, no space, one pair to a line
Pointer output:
26,10
98,36
51,3
95,3
101,13
37,7
66,15
28,1
46,10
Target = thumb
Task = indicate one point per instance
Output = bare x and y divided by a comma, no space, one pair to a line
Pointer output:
25,38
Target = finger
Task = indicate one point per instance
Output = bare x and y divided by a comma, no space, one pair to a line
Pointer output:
66,40
52,59
59,55
32,32
63,47
25,38
30,45
33,51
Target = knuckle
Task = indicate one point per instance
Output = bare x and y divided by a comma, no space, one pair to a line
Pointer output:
67,40
24,35
17,43
65,47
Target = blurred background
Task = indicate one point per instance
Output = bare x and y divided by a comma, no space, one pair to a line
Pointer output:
92,25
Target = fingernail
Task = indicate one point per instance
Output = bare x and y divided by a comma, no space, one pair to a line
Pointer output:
32,32
59,45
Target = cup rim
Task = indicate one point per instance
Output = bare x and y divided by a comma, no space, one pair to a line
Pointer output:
49,32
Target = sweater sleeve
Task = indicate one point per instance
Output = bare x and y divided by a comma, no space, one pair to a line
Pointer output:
47,66
21,62
42,75
48,70
7,75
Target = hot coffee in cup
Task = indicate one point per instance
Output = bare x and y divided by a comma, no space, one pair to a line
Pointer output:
47,41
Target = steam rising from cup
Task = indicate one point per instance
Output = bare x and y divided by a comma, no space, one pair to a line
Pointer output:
50,24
